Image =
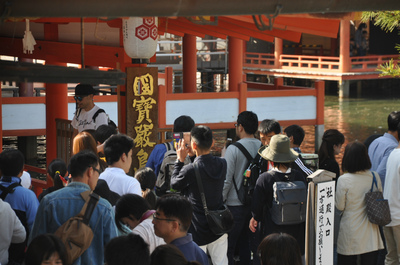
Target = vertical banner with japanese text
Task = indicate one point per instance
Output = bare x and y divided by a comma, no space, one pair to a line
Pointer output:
325,214
142,112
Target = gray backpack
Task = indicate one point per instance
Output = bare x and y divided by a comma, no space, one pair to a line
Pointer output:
289,202
163,183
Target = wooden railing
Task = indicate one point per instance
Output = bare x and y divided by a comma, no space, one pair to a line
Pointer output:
316,63
307,63
252,59
371,63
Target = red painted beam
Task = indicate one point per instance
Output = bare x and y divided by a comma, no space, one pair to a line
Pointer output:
65,52
255,32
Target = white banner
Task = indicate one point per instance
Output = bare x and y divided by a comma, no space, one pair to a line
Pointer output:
325,214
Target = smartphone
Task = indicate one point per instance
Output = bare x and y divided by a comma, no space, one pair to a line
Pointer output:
177,137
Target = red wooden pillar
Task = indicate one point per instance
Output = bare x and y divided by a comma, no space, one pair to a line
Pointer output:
56,99
25,88
344,45
1,120
189,63
278,52
235,47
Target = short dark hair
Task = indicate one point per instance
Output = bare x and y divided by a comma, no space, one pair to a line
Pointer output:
42,247
127,250
146,177
169,254
11,162
130,204
175,206
81,161
355,158
282,249
393,120
183,124
266,126
103,132
249,121
297,132
202,136
116,146
57,168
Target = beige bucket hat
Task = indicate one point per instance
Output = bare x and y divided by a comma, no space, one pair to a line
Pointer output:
278,150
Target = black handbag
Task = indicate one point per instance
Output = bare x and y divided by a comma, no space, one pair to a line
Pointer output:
377,207
219,221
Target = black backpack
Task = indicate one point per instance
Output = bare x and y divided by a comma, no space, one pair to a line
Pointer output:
110,122
250,176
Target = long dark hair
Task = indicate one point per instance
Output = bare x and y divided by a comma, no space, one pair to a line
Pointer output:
330,138
57,170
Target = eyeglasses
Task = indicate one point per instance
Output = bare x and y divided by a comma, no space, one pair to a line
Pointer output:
97,170
162,219
79,98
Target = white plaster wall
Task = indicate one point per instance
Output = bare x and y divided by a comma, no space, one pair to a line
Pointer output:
284,108
203,110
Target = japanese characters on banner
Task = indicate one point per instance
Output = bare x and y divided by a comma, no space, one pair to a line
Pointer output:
325,213
142,112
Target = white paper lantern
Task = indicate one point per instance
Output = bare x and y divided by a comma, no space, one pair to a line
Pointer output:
140,36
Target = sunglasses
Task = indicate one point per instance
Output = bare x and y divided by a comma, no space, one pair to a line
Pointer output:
79,98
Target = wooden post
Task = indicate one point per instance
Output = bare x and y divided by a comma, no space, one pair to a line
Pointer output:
278,52
235,66
189,63
320,127
344,55
56,100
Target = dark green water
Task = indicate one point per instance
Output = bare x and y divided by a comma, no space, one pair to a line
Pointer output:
356,118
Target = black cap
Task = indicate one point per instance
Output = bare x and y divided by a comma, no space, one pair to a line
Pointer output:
84,90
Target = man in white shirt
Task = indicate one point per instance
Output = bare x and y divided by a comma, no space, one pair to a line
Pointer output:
12,230
88,116
391,193
118,153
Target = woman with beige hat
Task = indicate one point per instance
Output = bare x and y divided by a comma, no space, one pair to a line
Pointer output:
280,155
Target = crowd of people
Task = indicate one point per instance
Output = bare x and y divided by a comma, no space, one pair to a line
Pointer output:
131,224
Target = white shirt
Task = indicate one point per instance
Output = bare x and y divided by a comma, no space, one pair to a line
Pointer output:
392,185
84,121
11,230
146,231
120,182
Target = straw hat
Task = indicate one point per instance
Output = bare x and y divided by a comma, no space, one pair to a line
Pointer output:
278,150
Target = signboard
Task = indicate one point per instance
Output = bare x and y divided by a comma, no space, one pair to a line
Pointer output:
142,112
325,214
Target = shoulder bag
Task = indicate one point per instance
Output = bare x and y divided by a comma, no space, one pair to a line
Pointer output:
377,207
219,221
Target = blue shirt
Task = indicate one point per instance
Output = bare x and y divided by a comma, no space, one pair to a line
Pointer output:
379,151
190,249
156,157
57,207
22,200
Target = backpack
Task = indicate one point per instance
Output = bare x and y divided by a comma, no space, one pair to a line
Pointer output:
289,201
109,121
76,233
251,174
163,183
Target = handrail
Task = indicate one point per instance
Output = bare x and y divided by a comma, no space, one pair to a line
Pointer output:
312,63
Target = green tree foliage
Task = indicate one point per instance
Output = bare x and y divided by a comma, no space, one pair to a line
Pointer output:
388,21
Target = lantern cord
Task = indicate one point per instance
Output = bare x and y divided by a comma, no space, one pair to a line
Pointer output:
28,41
178,9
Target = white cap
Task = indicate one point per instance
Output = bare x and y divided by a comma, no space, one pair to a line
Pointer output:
26,180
